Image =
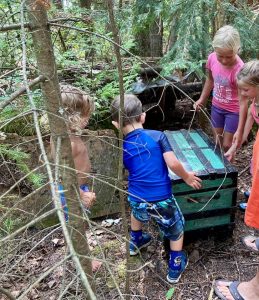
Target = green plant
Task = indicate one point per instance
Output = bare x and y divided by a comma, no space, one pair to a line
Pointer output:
20,159
190,31
8,225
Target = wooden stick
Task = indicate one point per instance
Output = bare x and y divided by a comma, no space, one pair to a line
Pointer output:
22,90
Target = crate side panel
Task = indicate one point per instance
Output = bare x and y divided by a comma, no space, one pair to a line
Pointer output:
224,182
212,200
207,222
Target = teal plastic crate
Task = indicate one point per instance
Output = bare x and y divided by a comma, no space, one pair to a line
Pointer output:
214,204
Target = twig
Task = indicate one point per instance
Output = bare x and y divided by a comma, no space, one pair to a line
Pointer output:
34,221
43,276
244,170
211,290
21,91
9,72
27,25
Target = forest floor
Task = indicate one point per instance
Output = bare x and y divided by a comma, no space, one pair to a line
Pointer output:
28,256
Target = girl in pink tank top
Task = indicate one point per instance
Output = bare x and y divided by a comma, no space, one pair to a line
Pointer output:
222,67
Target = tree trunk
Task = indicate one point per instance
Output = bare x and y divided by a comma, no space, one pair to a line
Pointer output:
85,3
156,38
173,35
219,20
58,4
46,64
120,160
149,37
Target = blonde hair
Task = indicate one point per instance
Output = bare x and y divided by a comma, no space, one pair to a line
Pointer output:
132,109
227,37
249,73
76,104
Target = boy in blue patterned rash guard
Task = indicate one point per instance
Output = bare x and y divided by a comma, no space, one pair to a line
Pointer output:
147,155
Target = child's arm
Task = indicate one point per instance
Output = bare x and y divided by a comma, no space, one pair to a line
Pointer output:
248,125
239,135
208,86
230,154
237,138
82,166
174,164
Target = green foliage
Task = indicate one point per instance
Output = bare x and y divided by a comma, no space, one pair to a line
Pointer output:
193,29
21,159
104,86
189,26
8,226
17,118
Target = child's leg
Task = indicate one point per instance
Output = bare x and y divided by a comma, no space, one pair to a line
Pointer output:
227,141
138,239
176,245
230,127
218,121
135,224
171,222
178,260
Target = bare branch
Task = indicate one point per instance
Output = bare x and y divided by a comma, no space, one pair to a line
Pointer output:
22,90
27,25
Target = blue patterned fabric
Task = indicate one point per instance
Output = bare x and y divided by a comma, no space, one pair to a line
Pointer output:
166,214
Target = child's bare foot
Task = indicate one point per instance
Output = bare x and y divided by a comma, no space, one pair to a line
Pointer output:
96,264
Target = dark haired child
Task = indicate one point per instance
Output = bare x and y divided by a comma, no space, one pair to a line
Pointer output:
147,155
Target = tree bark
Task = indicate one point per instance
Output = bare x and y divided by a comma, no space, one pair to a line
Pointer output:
58,4
120,160
156,38
85,3
149,37
50,87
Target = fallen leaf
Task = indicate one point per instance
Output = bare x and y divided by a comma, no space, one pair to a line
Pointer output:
51,283
170,294
99,231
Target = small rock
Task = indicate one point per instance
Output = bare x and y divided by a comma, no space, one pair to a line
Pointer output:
194,256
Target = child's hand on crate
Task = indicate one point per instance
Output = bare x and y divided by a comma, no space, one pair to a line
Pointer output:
193,181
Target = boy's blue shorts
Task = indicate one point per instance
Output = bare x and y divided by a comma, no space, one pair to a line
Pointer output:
166,213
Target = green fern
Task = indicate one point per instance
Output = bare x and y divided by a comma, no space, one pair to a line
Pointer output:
20,158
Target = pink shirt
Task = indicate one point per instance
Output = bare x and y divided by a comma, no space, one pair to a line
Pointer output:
225,92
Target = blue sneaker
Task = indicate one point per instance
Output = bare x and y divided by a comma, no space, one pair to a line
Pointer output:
243,206
174,276
143,242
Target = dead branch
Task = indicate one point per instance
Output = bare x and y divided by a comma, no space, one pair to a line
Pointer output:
9,72
27,25
244,170
21,91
